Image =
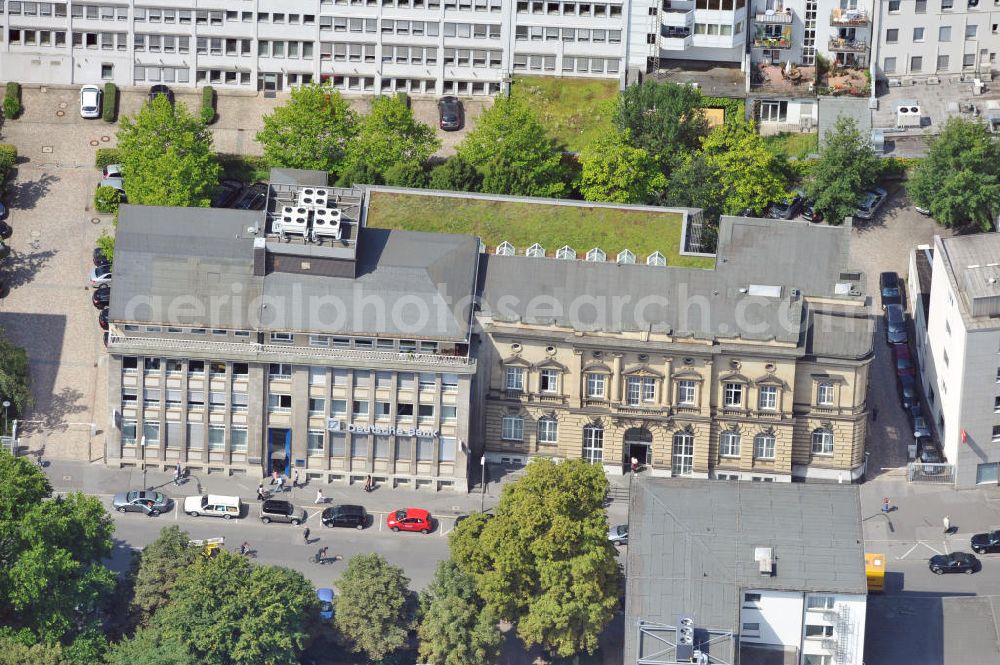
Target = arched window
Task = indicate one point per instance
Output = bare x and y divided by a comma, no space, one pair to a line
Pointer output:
729,443
763,446
593,443
822,442
548,430
682,461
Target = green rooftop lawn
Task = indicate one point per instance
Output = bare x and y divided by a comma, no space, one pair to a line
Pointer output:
523,224
574,111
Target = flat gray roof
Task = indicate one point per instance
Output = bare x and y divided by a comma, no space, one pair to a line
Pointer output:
973,266
691,548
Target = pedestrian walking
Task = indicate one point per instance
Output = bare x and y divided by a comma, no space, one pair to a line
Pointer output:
295,478
947,524
281,484
177,474
635,466
321,555
885,504
260,492
274,477
319,496
369,483
305,535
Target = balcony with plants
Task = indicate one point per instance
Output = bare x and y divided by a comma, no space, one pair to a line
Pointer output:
771,38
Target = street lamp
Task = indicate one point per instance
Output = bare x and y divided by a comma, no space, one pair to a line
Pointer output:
482,482
6,405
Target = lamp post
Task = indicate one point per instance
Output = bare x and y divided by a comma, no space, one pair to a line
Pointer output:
6,405
482,483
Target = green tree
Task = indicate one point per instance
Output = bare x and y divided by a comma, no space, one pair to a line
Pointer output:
167,156
512,152
959,181
457,175
156,569
226,611
455,628
407,174
847,166
53,582
359,173
374,610
311,131
390,135
614,171
749,175
106,242
149,647
15,652
695,184
544,562
15,375
665,119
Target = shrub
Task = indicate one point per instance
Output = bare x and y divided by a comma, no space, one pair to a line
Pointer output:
106,199
208,105
8,156
110,110
735,109
12,101
107,156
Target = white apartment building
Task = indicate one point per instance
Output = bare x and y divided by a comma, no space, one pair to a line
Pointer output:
924,38
467,47
959,352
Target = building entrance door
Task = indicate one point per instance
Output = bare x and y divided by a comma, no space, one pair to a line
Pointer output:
279,449
269,82
638,444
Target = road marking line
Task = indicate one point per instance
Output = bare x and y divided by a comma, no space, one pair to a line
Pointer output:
898,558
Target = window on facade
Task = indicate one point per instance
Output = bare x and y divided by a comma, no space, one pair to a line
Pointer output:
151,434
682,459
426,381
763,446
819,603
277,402
595,385
359,445
548,430
425,412
767,398
449,413
918,34
892,35
279,371
733,395
447,445
548,381
314,441
216,437
317,407
593,444
894,6
151,364
362,378
729,444
751,598
685,392
818,632
824,394
971,31
822,442
515,379
317,376
640,389
512,428
359,407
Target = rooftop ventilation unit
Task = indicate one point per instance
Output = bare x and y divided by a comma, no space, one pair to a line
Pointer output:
685,639
764,556
908,116
312,197
292,220
326,223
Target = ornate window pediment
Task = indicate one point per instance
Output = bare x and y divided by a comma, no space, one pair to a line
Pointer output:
549,363
734,377
515,361
686,375
770,380
597,367
642,370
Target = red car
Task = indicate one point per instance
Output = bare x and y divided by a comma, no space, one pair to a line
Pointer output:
903,359
410,519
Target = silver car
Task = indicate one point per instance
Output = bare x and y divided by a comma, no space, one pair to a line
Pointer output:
141,501
618,535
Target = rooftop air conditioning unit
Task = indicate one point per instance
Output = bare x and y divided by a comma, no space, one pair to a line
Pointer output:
326,223
685,639
292,220
764,556
895,83
312,197
908,116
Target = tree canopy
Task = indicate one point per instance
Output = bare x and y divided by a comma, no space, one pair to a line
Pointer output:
544,561
749,175
167,157
389,135
512,152
455,628
311,131
665,119
457,175
374,609
15,375
959,180
614,171
846,167
156,570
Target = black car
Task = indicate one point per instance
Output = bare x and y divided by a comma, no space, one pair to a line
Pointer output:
908,392
4,210
895,325
102,296
450,114
985,543
102,319
888,284
161,89
229,192
347,516
276,510
956,562
809,212
5,230
786,209
254,198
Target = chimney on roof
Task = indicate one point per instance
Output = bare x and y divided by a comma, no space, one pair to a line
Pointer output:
259,257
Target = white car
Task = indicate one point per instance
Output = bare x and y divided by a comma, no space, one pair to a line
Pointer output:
100,275
213,505
90,102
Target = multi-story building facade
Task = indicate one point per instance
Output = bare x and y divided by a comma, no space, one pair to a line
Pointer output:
237,346
958,351
611,361
918,39
467,47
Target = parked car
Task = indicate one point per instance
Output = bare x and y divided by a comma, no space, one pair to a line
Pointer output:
888,284
254,198
102,296
141,501
4,210
986,543
325,597
903,359
102,319
6,231
871,202
618,535
229,192
99,258
100,275
810,213
450,113
928,453
907,386
90,102
276,510
213,505
410,519
895,325
920,428
956,562
161,89
346,516
112,171
786,209
114,181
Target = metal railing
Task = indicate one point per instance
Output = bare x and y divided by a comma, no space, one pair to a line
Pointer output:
280,350
847,45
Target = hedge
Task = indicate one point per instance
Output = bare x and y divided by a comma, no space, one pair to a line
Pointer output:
107,156
106,199
735,109
8,156
12,101
110,110
208,105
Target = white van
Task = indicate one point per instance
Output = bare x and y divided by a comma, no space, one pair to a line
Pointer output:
213,505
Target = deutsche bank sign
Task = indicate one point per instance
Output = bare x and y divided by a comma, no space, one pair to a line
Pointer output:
333,425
